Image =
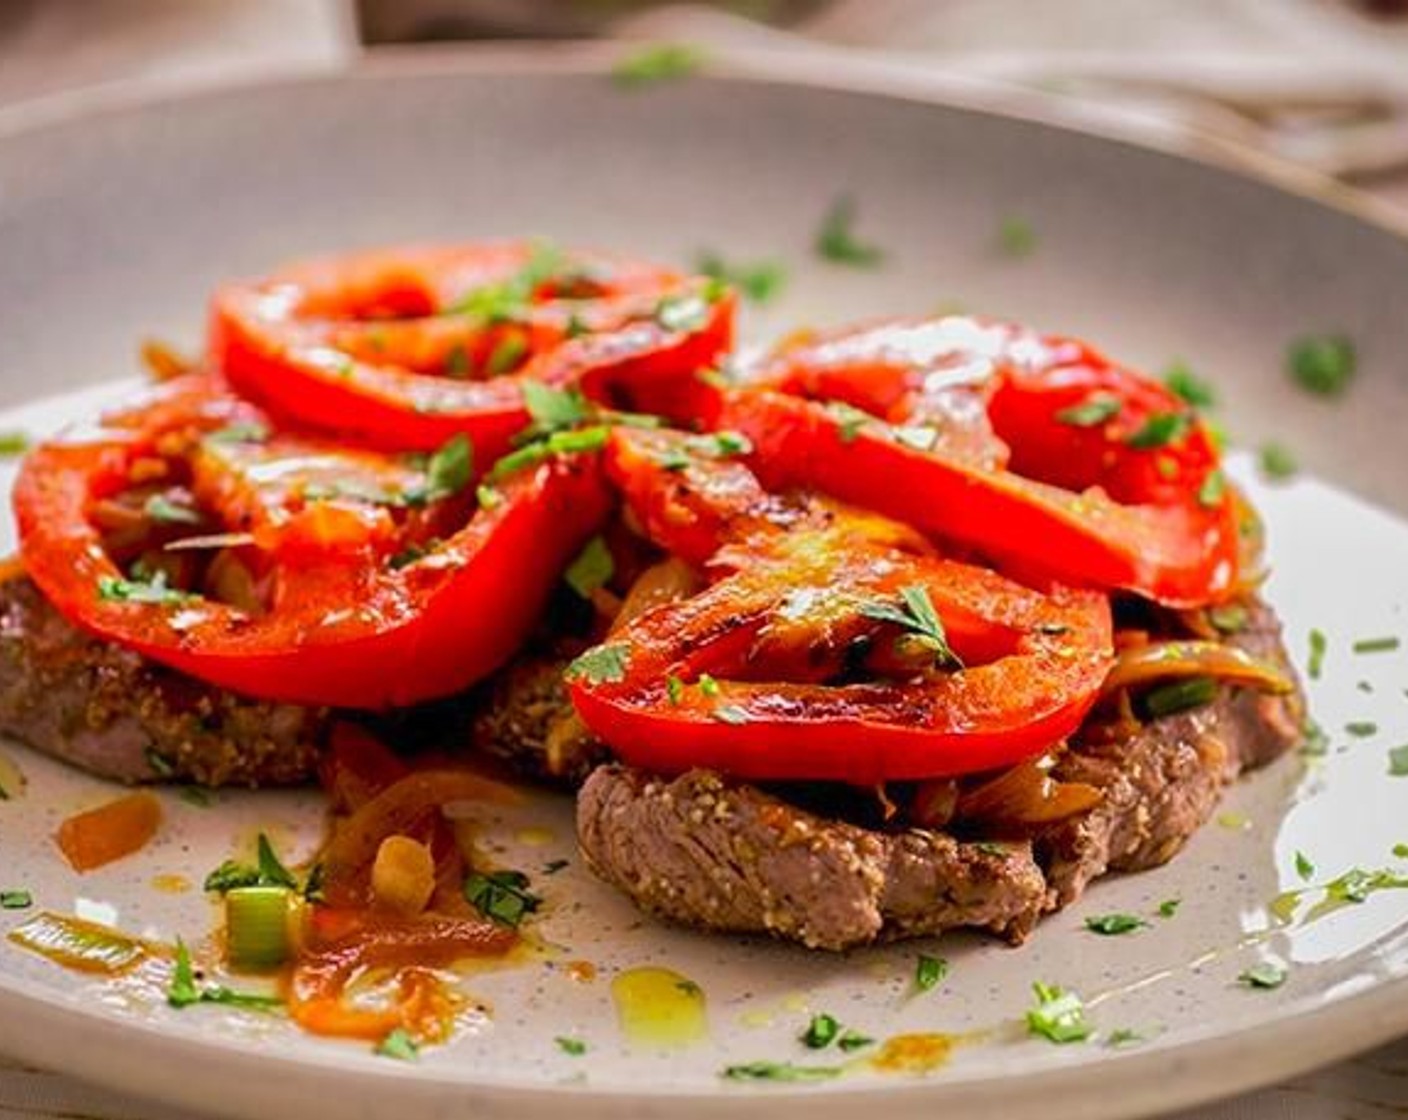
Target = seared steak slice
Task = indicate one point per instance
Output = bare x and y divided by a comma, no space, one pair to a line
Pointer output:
527,720
716,854
119,715
1163,784
728,856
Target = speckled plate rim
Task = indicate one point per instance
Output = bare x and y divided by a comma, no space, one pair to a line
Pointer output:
138,1058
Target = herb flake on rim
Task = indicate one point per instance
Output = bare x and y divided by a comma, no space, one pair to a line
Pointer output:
601,664
1059,1016
821,1032
1160,429
1113,925
573,1047
501,896
656,63
1196,391
1096,409
780,1071
1318,645
917,616
837,242
398,1044
1276,461
760,282
1322,364
1386,644
1264,976
929,972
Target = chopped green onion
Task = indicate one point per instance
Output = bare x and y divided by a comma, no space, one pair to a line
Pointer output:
1196,391
1398,761
708,686
1180,696
1160,429
821,1032
256,926
1318,645
1264,975
1304,868
552,408
1094,410
1213,490
399,1045
674,689
1058,1016
16,900
572,1046
153,591
929,972
1376,645
1169,907
1112,925
1323,364
1228,618
506,354
601,663
1361,728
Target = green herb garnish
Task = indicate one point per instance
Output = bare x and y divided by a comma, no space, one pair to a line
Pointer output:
1361,728
674,689
1398,761
1016,237
447,472
1169,907
1322,364
155,591
1160,429
553,409
506,354
18,899
268,871
183,991
854,1040
605,663
1264,975
1112,925
1180,696
821,1032
13,443
1277,461
916,615
501,896
1194,390
780,1071
1318,645
759,282
1304,868
574,1047
399,1045
592,569
1094,410
1213,490
929,972
1376,645
659,62
1058,1016
836,242
1123,1036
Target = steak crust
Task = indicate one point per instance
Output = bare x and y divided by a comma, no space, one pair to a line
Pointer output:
119,715
708,852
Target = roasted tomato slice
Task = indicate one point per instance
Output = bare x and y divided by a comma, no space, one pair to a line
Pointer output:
1036,452
833,647
405,347
286,568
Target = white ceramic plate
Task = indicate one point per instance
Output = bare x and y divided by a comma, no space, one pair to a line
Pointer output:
114,222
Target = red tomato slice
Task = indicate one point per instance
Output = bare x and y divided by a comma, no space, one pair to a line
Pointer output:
1110,481
756,676
374,590
405,347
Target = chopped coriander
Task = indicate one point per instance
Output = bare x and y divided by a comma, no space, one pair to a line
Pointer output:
605,663
231,874
1213,490
449,470
1304,868
250,1001
13,443
182,990
658,62
1398,761
1195,390
708,686
399,1045
457,361
1169,907
1264,975
574,1047
248,432
674,689
154,591
272,872
1401,851
1016,237
501,896
553,409
929,972
916,615
1228,618
849,419
1322,364
1356,885
724,445
1361,728
730,713
1058,1016
780,1071
1318,645
592,569
1124,1036
269,871
1314,740
506,354
821,1032
506,300
759,282
854,1040
1277,461
17,899
1376,645
836,242
1160,429
162,509
1094,410
582,439
1180,696
1112,925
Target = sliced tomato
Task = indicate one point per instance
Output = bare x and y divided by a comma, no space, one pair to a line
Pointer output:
1035,452
823,652
363,581
405,347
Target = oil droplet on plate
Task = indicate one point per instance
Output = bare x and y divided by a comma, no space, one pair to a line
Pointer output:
914,1054
659,1007
171,884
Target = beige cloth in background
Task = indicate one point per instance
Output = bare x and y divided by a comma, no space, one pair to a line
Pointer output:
1306,79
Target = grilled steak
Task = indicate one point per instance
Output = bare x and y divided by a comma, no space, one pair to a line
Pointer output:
119,715
527,720
723,855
